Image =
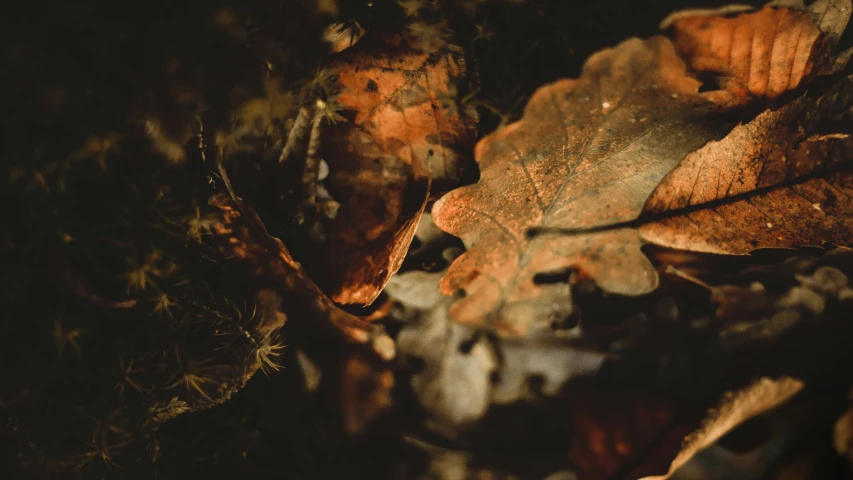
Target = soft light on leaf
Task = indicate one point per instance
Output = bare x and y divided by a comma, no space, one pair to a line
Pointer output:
587,152
402,134
734,409
774,182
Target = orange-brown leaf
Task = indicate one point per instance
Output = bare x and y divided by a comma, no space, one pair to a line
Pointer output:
735,408
587,152
763,54
406,131
244,242
777,181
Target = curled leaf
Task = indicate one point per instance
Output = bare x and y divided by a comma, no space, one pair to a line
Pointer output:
734,409
404,130
243,240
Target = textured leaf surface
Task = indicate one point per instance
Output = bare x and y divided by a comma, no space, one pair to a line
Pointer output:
630,432
587,152
777,181
734,409
762,54
406,130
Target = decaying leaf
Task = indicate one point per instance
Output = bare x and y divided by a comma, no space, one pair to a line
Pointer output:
620,432
788,441
778,181
460,381
454,385
405,130
245,243
552,365
747,319
461,376
734,409
587,152
760,55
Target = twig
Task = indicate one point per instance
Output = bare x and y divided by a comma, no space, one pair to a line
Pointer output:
297,134
311,171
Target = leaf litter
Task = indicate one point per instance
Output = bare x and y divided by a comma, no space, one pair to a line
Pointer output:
639,149
587,177
515,284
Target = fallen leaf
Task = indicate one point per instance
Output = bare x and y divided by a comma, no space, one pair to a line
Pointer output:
454,386
406,130
786,441
416,289
552,365
831,16
460,381
763,54
341,36
735,408
781,180
243,241
587,152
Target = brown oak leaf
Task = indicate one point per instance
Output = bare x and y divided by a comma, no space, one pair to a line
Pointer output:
405,131
778,181
587,152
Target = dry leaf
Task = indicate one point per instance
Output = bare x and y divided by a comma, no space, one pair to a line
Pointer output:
461,377
406,131
458,375
587,152
734,409
454,386
762,54
782,180
551,364
244,242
